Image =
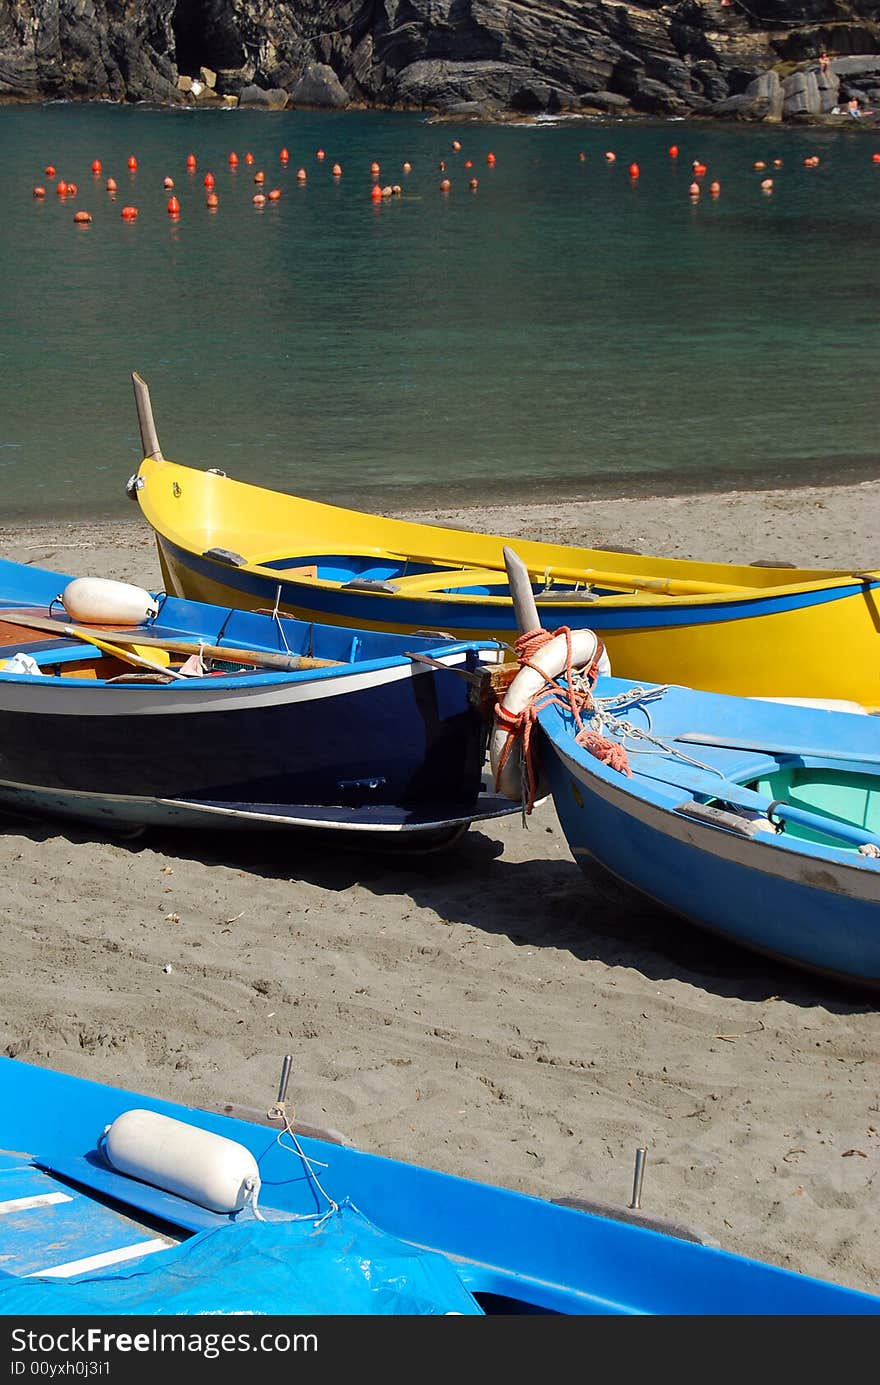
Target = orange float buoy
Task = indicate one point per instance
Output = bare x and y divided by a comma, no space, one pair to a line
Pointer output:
300,175
61,188
39,192
673,151
490,158
284,156
699,170
259,177
248,158
610,156
374,167
468,163
129,213
96,166
209,180
376,192
82,217
875,158
714,188
336,170
190,160
167,183
173,207
212,201
132,161
49,170
445,185
259,199
111,185
233,158
319,154
634,170
274,194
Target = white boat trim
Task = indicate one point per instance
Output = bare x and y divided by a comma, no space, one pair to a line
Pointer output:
99,1262
24,1204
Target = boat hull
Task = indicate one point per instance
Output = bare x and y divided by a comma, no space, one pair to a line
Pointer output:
818,910
511,1252
379,737
723,627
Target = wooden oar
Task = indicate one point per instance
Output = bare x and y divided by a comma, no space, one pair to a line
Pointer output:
285,663
126,655
664,586
728,791
760,747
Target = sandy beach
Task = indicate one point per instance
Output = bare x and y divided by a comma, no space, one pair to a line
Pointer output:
490,1011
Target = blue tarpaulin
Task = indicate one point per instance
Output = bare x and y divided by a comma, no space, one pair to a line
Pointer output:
338,1264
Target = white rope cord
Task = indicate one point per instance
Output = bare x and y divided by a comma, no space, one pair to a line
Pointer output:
309,1165
625,730
277,619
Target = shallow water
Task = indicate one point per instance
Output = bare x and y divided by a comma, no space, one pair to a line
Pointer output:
563,329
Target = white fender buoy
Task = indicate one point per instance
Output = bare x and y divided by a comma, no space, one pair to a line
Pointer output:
101,601
205,1168
549,662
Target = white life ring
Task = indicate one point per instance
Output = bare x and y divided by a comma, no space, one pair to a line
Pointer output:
549,662
102,601
196,1164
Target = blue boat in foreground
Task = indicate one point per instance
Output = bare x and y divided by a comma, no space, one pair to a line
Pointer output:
757,819
118,1203
130,709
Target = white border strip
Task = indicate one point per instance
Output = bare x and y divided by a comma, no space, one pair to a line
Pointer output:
24,1204
97,1262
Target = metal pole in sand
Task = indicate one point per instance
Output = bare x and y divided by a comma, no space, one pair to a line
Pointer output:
638,1177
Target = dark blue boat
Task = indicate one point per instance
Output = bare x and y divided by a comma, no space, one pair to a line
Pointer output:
119,1203
203,715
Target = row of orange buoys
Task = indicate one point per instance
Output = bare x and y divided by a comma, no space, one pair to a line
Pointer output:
378,191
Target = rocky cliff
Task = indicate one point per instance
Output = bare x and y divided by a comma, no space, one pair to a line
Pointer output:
486,57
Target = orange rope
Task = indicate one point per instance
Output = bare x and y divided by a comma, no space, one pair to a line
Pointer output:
518,725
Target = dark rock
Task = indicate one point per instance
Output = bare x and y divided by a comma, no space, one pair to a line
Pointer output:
258,98
675,58
800,95
319,86
605,101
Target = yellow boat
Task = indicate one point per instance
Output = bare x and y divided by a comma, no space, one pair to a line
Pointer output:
808,633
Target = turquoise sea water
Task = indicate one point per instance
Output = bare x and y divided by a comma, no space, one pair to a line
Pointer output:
563,329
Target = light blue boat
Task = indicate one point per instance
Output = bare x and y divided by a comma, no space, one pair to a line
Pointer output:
758,820
112,1202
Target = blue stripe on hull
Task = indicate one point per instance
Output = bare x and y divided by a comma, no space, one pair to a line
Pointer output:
359,607
820,929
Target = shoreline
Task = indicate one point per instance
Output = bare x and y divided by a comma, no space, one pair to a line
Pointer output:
809,526
491,1011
